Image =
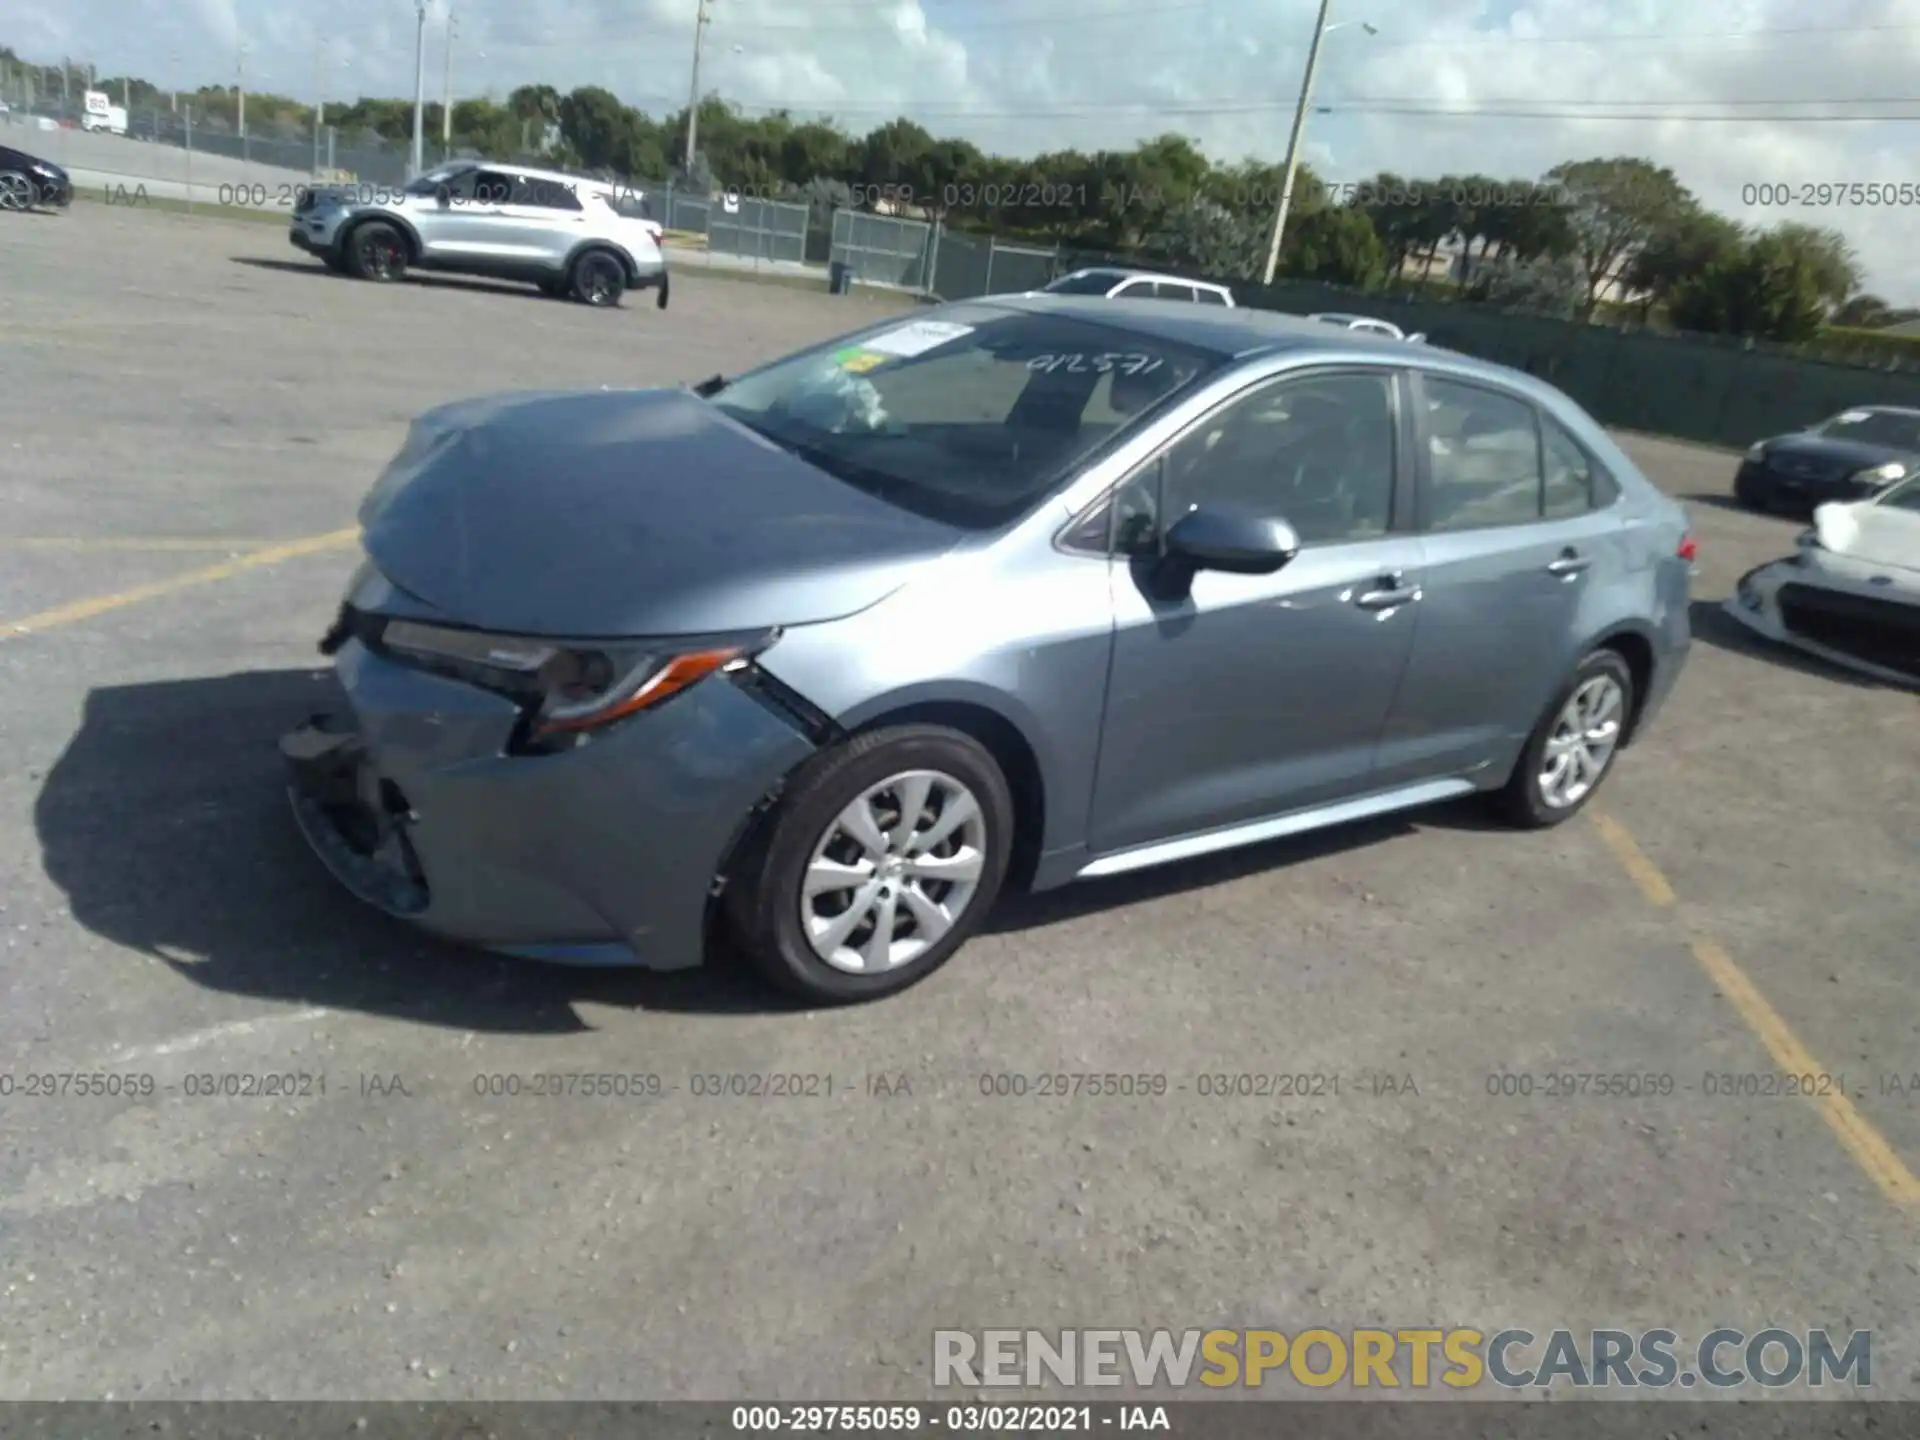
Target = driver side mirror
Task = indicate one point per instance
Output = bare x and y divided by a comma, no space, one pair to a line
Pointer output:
444,195
1419,337
1234,542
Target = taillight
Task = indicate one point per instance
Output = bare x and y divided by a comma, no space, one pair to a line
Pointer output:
1688,550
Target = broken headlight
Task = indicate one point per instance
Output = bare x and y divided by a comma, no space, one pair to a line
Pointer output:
568,688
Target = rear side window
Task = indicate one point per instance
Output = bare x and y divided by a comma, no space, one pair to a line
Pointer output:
1209,297
1494,459
545,194
1169,290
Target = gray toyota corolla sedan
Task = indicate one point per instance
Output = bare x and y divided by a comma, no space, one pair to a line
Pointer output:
1021,591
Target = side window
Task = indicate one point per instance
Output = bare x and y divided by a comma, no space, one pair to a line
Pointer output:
1132,290
546,194
1568,488
1483,459
490,187
1208,297
1318,453
1169,290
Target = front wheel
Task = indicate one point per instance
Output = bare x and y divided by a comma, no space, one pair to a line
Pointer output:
17,191
883,858
1573,747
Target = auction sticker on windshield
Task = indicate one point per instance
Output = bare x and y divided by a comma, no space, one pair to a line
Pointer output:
916,338
856,361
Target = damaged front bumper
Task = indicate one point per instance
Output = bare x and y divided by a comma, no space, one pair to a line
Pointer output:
354,821
602,855
1870,635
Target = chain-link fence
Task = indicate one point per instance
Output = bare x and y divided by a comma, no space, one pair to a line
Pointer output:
763,229
966,266
881,248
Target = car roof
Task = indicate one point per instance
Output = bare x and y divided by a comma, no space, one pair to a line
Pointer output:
533,172
1241,332
1906,410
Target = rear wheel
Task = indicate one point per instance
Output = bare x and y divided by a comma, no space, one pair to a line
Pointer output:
377,251
598,279
1572,749
1748,494
882,859
17,191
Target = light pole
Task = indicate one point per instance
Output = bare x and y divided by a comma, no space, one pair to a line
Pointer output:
419,86
173,67
240,89
1320,30
700,23
446,104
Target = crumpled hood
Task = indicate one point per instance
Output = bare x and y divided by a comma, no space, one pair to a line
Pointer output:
628,513
1872,534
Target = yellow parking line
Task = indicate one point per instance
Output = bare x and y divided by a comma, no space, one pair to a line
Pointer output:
101,604
155,543
1867,1146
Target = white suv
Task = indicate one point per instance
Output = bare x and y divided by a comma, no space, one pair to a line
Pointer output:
1138,285
571,237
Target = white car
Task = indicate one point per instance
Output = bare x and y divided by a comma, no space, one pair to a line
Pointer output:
1116,284
1850,593
1367,325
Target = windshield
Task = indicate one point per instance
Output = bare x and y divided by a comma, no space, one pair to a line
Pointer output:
969,418
428,183
1087,282
1904,496
1892,428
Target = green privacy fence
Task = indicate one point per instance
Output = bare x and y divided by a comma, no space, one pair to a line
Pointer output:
1717,390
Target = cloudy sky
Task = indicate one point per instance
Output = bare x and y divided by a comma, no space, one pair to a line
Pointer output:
1729,93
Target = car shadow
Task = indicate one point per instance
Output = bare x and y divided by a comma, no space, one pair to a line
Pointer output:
412,277
1020,911
1713,626
165,824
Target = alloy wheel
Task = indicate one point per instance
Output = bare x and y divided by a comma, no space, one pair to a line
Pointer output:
1584,737
16,192
380,255
895,871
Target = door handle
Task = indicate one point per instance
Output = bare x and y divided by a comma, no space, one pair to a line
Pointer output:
1568,563
1392,591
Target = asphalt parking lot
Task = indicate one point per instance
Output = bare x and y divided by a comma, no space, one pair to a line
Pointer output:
189,416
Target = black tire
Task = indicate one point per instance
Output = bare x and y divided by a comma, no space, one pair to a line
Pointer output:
763,899
1749,496
1523,800
598,278
376,251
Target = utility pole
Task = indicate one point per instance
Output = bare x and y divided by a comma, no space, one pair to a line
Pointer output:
1293,144
419,87
700,23
240,88
446,106
173,74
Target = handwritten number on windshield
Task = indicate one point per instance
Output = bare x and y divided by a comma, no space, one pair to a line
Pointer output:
1080,363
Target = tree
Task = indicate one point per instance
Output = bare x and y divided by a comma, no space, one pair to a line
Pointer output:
894,155
1773,286
1682,247
596,125
1614,207
1209,237
1335,244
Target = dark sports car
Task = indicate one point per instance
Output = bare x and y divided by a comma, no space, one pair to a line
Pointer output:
27,181
1853,456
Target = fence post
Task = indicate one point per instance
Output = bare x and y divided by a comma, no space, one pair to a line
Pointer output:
932,260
